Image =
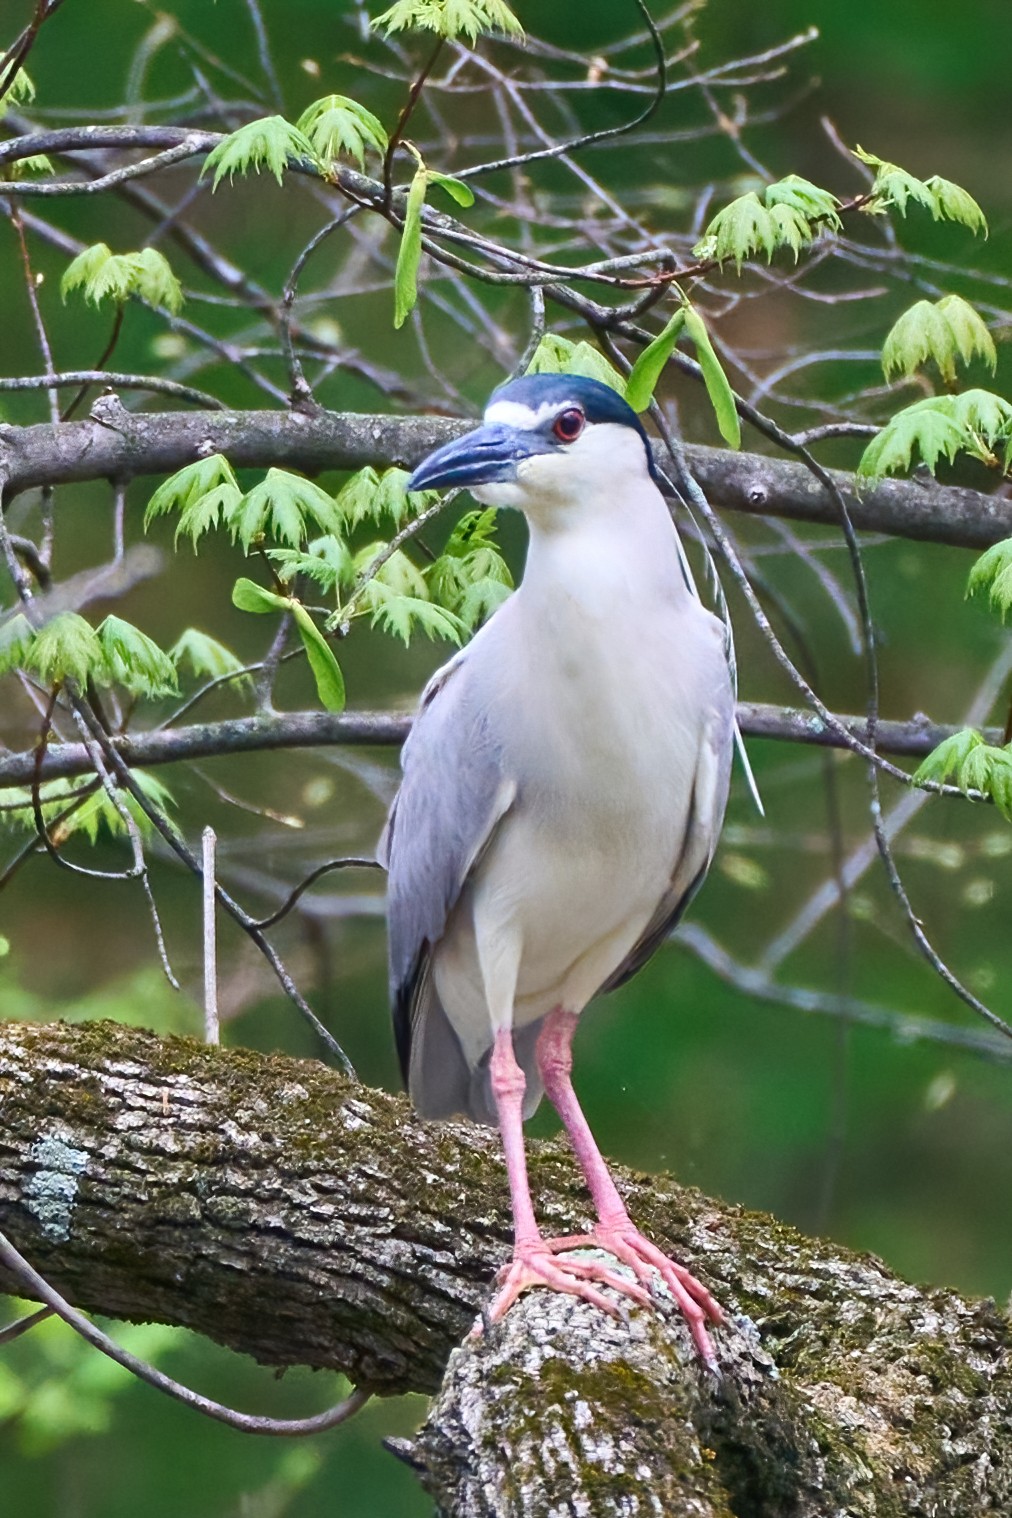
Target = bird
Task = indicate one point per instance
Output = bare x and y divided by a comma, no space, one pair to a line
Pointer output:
563,788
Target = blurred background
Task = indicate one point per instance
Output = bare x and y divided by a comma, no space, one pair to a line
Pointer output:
750,1061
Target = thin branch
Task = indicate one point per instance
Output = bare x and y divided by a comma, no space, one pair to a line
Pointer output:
113,381
37,1286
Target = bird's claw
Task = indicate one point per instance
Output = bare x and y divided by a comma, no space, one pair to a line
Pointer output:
648,1263
543,1264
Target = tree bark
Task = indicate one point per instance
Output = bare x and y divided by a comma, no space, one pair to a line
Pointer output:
126,444
248,735
288,1213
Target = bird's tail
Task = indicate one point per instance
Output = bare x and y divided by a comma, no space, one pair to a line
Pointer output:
441,1080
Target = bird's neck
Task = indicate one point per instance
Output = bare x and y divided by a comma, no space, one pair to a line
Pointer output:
609,551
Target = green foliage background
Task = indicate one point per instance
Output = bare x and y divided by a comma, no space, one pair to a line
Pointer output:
903,1149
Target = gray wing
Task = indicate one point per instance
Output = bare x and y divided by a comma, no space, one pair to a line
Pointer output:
706,813
452,798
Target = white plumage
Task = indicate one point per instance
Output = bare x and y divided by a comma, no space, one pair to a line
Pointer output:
565,780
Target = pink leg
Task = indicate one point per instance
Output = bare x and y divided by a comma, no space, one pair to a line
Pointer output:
534,1260
615,1230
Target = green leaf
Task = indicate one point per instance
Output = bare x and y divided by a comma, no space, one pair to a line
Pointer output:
742,228
104,275
480,600
893,186
973,765
455,188
947,760
397,573
154,281
15,640
205,657
470,578
268,143
987,417
280,506
791,229
941,331
35,163
326,560
788,216
993,573
451,18
974,421
189,485
391,498
325,668
20,91
357,497
90,817
924,428
410,251
249,596
135,661
558,355
90,271
717,386
946,201
646,371
218,506
953,203
400,614
68,648
336,125
813,203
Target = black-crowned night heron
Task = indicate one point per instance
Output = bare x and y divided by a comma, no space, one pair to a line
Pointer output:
564,787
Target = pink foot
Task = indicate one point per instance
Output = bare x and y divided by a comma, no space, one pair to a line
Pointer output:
624,1240
539,1264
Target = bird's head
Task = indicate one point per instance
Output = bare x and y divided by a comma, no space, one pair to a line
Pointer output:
548,443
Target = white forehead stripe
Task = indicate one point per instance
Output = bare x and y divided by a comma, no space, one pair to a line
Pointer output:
513,414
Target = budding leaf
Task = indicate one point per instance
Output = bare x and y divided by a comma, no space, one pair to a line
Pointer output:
336,125
15,640
993,573
451,18
716,381
559,355
249,596
103,275
942,331
923,429
400,614
326,560
946,201
325,668
268,143
135,661
973,765
646,371
455,188
189,485
204,655
410,250
801,195
280,506
67,648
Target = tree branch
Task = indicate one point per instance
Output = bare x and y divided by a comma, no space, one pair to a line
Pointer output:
243,735
145,443
282,1211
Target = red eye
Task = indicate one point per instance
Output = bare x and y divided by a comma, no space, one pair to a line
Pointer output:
568,424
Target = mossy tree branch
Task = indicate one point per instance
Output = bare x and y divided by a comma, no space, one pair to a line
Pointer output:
131,444
288,1213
